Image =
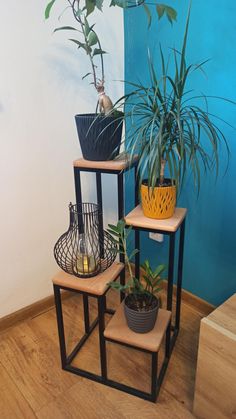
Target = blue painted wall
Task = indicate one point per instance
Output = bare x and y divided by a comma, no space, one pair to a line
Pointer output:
210,252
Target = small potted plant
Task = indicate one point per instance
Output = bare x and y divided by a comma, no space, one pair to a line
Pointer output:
99,133
141,303
172,130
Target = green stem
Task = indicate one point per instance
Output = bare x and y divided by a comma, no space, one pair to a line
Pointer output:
73,6
127,261
162,171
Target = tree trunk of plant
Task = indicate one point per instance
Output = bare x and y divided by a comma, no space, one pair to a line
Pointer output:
162,171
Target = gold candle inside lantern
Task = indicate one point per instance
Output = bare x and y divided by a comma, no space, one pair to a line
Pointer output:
86,264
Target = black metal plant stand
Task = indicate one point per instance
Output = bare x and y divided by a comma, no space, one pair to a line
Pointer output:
169,227
163,328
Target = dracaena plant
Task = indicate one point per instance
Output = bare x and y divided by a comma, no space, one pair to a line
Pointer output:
170,126
86,38
152,279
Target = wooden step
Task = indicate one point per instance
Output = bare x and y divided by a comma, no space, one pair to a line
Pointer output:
110,165
118,330
97,285
136,218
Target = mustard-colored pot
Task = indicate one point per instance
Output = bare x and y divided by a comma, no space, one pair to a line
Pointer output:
158,202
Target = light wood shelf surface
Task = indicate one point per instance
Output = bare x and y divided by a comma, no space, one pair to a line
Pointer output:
224,317
136,218
96,285
116,165
118,330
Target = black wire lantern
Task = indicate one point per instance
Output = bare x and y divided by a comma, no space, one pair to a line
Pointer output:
85,249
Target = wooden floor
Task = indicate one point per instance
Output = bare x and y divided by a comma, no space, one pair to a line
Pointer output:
32,384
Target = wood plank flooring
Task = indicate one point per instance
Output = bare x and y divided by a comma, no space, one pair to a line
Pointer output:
32,384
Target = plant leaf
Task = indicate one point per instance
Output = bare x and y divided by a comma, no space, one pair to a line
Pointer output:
171,13
65,28
158,271
133,253
148,13
98,51
160,10
92,39
114,228
80,44
48,9
86,27
99,4
90,6
86,75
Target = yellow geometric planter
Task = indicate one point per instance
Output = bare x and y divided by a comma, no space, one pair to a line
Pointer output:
158,202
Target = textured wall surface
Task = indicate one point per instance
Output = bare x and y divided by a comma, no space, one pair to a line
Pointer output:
210,252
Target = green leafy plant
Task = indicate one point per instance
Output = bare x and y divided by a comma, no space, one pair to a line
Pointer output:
142,291
152,278
168,127
87,39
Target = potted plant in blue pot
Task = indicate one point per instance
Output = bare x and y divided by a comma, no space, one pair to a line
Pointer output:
100,132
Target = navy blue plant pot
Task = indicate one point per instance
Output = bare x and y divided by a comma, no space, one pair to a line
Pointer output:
99,136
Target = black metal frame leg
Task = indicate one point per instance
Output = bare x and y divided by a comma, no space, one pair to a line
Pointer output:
168,341
136,190
102,343
154,376
60,324
78,194
86,313
180,275
120,186
137,256
100,216
170,271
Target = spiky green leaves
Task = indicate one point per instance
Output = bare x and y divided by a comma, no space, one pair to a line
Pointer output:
168,122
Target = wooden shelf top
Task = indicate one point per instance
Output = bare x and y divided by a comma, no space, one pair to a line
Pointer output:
96,285
224,317
136,218
110,165
118,330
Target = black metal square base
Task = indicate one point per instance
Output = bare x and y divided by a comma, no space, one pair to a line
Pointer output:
66,360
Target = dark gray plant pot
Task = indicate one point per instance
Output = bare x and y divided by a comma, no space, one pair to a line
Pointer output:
141,322
99,136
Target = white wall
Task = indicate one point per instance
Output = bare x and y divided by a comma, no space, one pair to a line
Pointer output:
40,92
